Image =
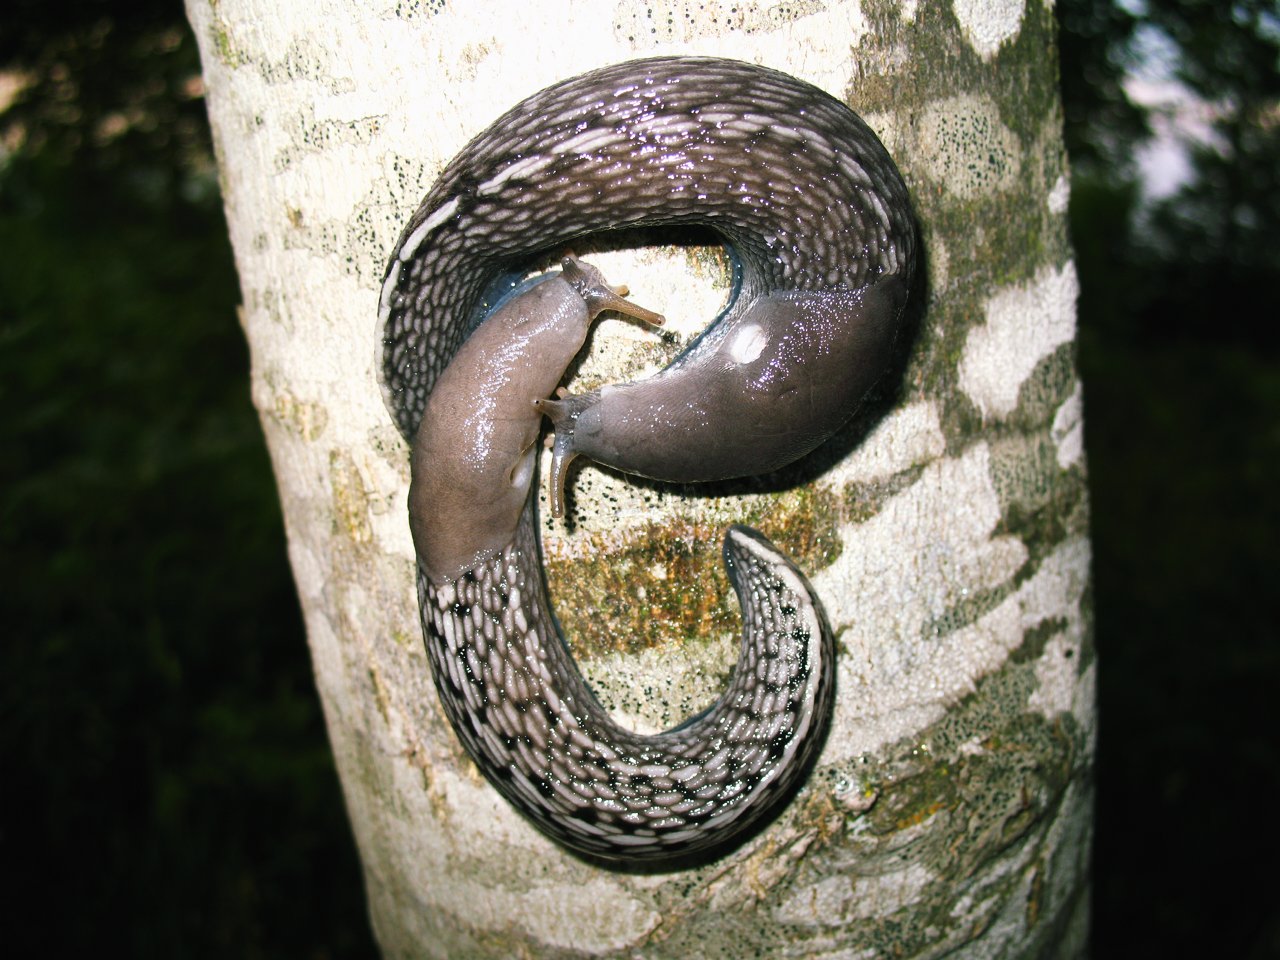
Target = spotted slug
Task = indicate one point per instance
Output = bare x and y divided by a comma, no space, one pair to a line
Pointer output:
815,212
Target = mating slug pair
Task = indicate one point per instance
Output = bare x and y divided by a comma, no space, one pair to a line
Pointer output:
815,211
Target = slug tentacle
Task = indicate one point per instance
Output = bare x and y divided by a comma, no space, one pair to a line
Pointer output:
599,296
476,448
818,217
563,412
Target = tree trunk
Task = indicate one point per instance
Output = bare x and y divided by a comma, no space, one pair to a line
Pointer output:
950,811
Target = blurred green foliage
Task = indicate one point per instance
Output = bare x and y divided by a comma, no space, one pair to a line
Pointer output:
167,786
1179,349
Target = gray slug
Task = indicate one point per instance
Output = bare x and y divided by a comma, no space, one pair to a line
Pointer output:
817,214
475,454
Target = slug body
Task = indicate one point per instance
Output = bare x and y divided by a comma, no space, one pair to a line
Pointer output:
475,454
818,217
774,375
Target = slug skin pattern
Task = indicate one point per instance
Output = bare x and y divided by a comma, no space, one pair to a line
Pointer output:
814,209
525,715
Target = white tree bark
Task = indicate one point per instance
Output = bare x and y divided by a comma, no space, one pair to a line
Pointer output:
950,810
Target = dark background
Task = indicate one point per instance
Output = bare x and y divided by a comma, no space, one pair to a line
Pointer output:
166,784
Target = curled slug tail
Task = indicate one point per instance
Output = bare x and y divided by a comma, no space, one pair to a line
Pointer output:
746,548
589,283
785,677
771,589
563,414
739,539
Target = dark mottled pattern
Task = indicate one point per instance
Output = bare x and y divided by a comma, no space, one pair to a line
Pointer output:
789,176
526,716
807,196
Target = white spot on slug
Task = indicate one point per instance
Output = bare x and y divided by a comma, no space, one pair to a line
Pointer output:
748,343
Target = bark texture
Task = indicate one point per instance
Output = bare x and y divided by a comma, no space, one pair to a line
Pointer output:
945,531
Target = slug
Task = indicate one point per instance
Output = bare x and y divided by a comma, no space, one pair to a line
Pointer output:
818,217
475,456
